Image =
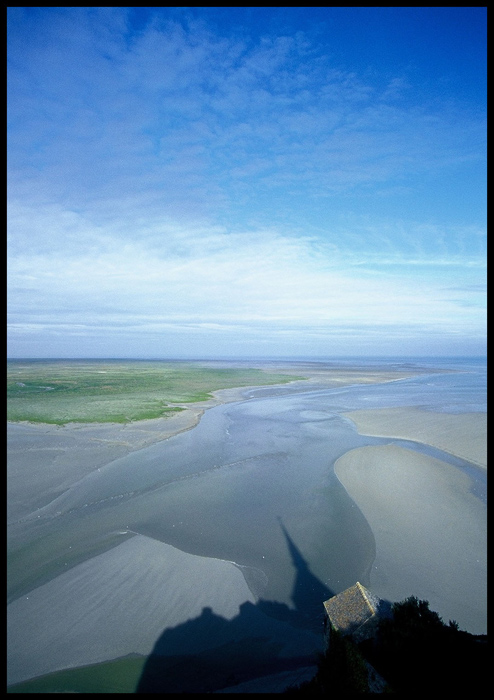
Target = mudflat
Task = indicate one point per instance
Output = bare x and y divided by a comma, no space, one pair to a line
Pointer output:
430,531
45,459
117,603
461,434
130,587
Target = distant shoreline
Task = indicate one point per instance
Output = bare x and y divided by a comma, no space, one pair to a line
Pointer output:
137,434
67,453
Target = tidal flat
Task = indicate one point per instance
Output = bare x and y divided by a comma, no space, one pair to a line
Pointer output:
126,541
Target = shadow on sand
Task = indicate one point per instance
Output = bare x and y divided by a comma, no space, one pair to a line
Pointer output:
210,653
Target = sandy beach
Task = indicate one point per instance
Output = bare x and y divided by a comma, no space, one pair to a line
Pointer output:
420,509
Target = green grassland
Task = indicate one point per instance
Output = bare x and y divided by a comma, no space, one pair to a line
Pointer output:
111,391
118,676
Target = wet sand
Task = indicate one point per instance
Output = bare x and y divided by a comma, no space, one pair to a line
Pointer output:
121,602
430,531
115,604
90,603
45,460
63,455
461,434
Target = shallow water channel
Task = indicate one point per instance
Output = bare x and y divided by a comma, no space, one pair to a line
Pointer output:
223,489
252,484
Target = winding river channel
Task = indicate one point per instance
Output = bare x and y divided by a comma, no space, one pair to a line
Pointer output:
251,484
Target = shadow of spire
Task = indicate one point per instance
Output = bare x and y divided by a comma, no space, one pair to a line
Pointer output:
265,640
308,593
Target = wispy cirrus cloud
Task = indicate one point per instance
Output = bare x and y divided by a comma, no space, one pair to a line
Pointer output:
224,278
168,111
168,175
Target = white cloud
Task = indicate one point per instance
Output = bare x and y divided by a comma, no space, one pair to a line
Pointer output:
215,277
171,179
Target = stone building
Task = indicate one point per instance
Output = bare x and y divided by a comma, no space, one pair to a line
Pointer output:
355,612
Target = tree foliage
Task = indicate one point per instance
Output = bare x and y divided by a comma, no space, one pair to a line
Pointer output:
416,651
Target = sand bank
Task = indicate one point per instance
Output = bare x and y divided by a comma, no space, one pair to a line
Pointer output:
430,531
140,596
46,460
461,434
116,603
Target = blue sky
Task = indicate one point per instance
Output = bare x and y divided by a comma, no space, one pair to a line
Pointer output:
246,182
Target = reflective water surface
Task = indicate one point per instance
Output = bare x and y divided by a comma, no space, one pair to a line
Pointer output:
250,475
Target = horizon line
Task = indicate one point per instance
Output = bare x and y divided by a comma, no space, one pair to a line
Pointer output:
248,358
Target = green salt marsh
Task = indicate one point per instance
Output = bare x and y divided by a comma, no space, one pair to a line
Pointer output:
104,391
117,676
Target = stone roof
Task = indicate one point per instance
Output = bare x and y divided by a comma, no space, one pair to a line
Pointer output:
350,610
